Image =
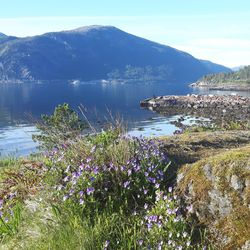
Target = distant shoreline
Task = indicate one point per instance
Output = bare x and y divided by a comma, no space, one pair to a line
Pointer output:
223,86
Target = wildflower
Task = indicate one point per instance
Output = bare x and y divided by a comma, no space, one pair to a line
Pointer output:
88,160
126,184
151,179
93,149
81,201
59,188
123,168
67,169
81,193
129,172
184,234
190,208
153,218
159,224
81,167
1,203
12,195
145,191
65,197
170,189
92,178
66,178
145,206
140,242
149,226
157,185
90,190
107,242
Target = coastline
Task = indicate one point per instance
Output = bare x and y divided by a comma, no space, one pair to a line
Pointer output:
232,108
221,86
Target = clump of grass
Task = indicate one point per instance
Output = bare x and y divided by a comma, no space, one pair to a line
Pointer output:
19,179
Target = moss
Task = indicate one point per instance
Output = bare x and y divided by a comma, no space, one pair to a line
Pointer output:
235,162
188,148
195,177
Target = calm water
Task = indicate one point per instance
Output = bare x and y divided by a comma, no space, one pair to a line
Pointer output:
21,104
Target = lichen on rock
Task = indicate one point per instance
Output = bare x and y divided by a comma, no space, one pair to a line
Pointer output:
219,191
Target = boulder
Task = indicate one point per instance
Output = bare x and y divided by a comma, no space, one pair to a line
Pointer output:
218,188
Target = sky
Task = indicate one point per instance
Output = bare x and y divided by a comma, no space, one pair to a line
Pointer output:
215,30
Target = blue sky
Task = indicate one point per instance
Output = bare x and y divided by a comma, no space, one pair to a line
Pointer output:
217,30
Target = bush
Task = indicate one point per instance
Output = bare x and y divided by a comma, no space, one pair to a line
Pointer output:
63,125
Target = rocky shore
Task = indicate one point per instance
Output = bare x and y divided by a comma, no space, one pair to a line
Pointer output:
233,108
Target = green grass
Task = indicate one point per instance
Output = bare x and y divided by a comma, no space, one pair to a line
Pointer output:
112,218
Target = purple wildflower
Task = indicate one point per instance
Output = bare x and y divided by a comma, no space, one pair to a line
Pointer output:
90,190
65,197
126,184
151,179
140,242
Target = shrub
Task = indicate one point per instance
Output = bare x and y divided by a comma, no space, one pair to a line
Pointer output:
63,125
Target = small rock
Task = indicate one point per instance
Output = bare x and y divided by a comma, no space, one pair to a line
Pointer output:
236,183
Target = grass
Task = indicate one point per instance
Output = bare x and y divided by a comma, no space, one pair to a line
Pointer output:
109,191
116,198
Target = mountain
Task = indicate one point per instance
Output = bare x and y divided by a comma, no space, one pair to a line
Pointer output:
96,52
2,35
4,38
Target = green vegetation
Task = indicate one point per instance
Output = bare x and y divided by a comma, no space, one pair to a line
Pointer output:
111,191
63,125
142,73
240,77
218,191
223,126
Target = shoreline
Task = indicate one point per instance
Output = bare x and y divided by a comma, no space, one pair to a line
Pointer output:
209,106
223,86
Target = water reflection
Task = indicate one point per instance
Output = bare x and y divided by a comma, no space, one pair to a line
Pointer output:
20,102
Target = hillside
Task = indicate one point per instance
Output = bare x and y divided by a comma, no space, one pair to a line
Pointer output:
239,80
96,52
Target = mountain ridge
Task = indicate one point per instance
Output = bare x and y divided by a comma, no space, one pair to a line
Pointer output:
96,52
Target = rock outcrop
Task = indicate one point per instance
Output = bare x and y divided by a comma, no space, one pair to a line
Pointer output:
210,106
218,190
